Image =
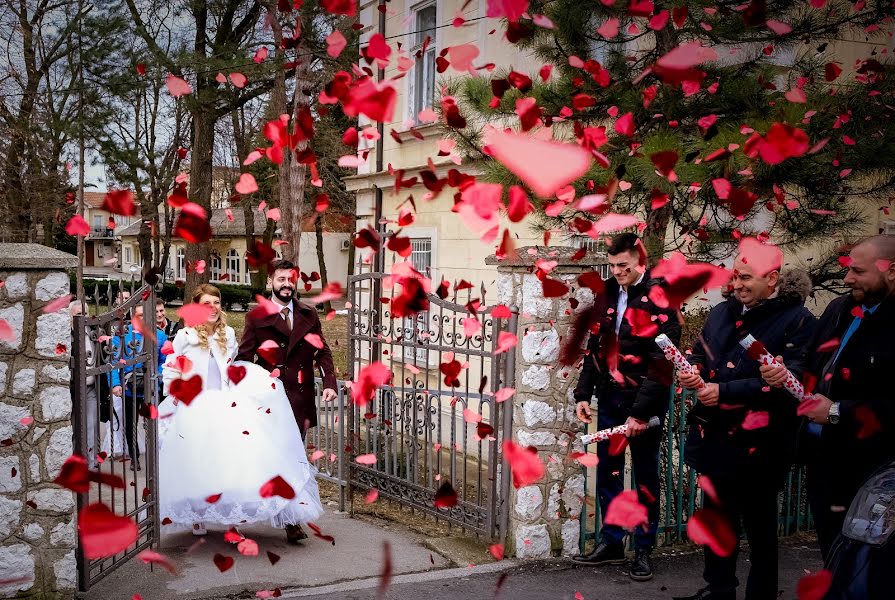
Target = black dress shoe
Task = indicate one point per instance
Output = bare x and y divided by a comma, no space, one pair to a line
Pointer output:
641,566
602,554
706,594
295,534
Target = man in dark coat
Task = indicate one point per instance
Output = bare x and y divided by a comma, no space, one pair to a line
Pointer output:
164,323
741,431
631,378
294,354
851,428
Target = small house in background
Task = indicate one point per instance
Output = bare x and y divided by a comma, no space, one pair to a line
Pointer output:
229,264
102,256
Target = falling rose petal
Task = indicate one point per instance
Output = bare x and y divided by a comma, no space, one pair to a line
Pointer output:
223,563
246,184
371,496
368,381
152,557
778,27
626,511
756,420
781,142
103,533
192,224
26,421
524,463
340,7
260,55
642,324
505,341
461,57
496,551
625,125
609,29
186,390
77,226
74,474
814,586
708,487
470,416
511,9
686,56
545,166
586,459
177,87
194,314
247,547
58,304
614,222
315,340
277,486
238,80
365,459
763,258
832,71
658,21
709,527
504,394
445,496
335,43
120,202
374,100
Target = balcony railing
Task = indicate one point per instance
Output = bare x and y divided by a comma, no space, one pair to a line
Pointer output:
102,232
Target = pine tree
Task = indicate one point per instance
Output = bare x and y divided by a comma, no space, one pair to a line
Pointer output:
698,133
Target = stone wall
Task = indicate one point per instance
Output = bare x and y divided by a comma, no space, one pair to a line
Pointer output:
544,517
37,527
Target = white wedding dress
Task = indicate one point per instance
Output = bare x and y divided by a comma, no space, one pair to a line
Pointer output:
227,443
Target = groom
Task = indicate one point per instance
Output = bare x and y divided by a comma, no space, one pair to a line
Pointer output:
295,356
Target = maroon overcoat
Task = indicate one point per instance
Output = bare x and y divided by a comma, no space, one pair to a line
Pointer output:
295,359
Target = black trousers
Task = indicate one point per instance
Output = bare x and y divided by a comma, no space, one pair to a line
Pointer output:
132,406
828,523
750,504
611,469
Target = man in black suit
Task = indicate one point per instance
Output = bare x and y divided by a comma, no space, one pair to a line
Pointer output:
631,378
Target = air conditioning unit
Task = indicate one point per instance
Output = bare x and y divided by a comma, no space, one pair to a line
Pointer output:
346,244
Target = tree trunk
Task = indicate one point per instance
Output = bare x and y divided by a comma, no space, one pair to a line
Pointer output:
200,191
321,259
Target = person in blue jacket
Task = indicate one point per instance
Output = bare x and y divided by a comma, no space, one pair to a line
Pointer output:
122,380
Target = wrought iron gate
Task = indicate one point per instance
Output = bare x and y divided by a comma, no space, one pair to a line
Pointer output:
438,423
107,351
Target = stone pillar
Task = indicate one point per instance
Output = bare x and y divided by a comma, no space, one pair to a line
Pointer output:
37,528
544,517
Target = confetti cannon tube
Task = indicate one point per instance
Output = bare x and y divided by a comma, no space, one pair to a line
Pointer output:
605,434
757,351
677,358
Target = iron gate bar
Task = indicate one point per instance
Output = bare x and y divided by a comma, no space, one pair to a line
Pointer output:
142,503
408,434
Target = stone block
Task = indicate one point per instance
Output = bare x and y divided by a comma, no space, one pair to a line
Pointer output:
4,372
571,537
15,316
537,413
10,417
538,439
10,515
33,532
55,403
555,466
536,377
16,569
585,297
55,285
55,374
16,286
553,497
532,541
36,433
541,347
60,447
34,468
23,383
573,494
534,303
505,289
529,502
10,474
66,571
53,332
53,500
63,534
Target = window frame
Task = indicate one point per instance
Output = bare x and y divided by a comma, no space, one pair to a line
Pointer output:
415,103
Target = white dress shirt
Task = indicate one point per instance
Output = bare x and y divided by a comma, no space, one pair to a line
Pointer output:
622,305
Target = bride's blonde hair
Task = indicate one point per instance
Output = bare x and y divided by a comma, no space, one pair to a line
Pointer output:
220,326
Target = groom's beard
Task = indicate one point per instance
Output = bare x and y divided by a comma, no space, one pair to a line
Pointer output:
284,294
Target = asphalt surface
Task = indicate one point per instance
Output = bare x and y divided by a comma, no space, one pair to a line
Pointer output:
676,575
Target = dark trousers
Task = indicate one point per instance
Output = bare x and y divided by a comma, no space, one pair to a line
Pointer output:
132,406
827,523
750,504
611,469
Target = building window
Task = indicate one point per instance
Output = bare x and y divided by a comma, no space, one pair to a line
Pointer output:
128,254
181,270
421,259
889,227
593,246
233,266
422,82
215,266
98,223
245,267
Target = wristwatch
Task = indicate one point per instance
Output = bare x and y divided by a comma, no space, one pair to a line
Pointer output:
834,413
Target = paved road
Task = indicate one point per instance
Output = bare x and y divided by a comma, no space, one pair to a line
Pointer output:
678,574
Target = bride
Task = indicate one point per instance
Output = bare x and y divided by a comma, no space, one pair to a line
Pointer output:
218,449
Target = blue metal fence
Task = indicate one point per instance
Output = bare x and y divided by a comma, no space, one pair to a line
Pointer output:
679,495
